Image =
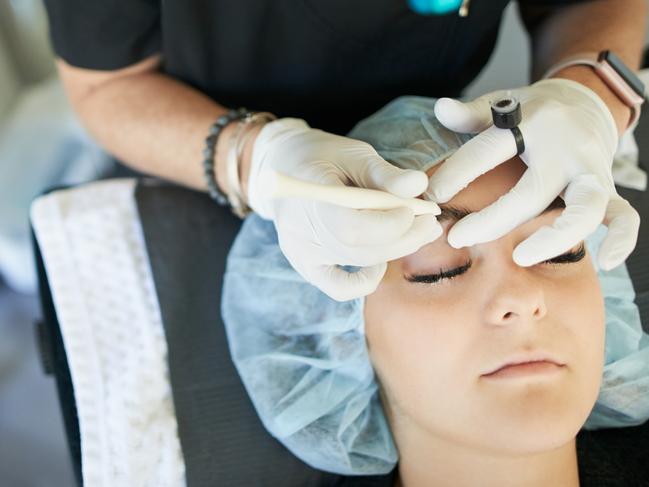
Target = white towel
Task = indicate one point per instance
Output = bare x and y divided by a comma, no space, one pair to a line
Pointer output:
94,253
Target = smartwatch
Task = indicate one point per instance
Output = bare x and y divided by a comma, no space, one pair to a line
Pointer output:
618,77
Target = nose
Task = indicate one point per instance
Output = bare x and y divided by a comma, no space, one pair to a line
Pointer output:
517,296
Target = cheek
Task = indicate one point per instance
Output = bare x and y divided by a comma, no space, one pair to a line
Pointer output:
416,345
403,326
580,305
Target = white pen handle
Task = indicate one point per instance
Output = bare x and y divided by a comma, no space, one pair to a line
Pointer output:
284,186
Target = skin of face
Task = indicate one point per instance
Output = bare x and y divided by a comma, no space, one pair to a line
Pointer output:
430,343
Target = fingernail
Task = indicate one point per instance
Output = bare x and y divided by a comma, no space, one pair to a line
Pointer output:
428,195
612,259
457,242
435,195
609,263
439,194
520,258
438,231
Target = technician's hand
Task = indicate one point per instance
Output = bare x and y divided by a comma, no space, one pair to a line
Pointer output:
317,237
570,138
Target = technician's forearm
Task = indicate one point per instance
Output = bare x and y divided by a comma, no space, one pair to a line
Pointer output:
155,124
591,26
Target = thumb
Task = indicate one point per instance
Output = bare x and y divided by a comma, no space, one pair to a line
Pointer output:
466,117
623,222
406,183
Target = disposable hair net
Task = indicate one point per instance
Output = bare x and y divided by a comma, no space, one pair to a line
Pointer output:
302,356
624,394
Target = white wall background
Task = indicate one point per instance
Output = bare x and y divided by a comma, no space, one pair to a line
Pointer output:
510,63
25,54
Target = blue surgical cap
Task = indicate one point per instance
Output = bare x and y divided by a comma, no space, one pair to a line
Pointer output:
303,358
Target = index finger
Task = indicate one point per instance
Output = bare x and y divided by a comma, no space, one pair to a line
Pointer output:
526,199
491,147
586,202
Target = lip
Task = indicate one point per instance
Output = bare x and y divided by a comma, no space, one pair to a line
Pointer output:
530,362
529,369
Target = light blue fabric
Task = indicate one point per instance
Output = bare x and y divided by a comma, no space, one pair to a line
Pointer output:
624,394
302,356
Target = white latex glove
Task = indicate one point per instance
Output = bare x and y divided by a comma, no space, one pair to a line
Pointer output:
315,237
570,139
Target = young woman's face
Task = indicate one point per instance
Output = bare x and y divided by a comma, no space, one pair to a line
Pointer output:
431,343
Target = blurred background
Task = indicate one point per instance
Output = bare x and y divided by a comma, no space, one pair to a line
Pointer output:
42,145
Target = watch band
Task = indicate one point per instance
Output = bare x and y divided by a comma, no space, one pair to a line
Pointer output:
617,76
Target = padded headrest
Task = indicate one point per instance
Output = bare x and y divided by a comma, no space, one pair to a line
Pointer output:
223,440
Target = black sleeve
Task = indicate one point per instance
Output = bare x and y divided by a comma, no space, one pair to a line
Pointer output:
104,34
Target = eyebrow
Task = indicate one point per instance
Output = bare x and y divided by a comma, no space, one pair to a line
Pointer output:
454,212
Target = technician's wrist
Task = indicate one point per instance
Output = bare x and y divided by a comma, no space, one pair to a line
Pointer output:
221,154
268,139
246,161
586,76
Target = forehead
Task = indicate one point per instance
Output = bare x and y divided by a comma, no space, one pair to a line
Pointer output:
488,187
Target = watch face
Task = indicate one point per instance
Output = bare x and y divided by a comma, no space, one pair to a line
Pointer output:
629,76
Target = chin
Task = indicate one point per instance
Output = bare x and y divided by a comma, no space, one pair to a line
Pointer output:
533,433
532,442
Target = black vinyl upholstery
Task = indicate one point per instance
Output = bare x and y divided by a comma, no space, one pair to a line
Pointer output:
212,408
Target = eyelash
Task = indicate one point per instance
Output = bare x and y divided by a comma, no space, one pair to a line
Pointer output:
567,258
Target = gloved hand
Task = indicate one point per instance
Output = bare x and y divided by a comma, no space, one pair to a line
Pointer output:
570,139
315,237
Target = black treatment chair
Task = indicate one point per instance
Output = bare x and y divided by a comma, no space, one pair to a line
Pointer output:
223,442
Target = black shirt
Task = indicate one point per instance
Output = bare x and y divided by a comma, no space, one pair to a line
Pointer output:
331,62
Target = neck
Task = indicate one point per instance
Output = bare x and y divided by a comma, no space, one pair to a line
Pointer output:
437,463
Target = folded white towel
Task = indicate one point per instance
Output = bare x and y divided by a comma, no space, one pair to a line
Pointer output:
94,253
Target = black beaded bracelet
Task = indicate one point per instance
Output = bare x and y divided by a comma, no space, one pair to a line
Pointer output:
208,153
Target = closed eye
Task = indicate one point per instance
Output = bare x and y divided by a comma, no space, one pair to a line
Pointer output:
567,258
442,274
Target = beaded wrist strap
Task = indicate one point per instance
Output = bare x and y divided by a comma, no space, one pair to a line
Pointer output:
208,153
